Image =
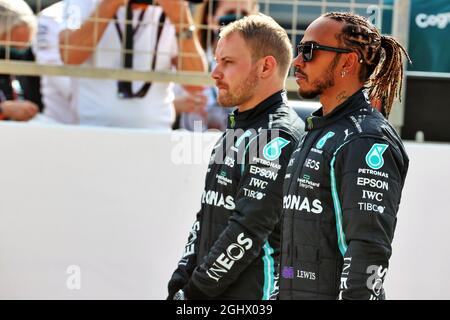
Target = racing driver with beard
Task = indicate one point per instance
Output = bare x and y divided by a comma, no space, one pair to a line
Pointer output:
343,186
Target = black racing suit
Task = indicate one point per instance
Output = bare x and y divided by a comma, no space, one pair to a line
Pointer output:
341,195
234,245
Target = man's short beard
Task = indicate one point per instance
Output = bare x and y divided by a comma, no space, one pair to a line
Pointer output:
321,85
244,91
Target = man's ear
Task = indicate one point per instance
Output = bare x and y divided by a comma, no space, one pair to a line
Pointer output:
269,66
351,63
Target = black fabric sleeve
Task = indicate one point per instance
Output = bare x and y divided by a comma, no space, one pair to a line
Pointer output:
366,182
256,214
187,263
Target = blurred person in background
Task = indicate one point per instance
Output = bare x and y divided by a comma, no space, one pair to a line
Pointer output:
55,90
161,36
17,28
202,108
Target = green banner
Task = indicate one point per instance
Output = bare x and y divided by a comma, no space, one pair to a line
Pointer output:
429,35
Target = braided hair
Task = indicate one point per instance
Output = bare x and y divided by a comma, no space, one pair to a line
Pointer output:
380,57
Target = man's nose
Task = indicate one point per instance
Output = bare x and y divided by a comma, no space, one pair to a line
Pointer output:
298,61
216,74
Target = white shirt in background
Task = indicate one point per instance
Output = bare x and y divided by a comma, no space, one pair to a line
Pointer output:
55,90
97,100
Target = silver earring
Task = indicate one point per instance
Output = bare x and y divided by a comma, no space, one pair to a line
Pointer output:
343,74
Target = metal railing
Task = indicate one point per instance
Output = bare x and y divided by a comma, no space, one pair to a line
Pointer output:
293,15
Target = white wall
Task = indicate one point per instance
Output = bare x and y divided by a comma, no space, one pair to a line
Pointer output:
420,262
119,205
107,200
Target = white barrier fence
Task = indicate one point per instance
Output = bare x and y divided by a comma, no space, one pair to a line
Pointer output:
91,213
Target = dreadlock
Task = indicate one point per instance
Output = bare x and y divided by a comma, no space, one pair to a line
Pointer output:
380,57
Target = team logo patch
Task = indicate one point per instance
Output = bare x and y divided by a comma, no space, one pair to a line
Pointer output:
374,157
272,150
324,139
